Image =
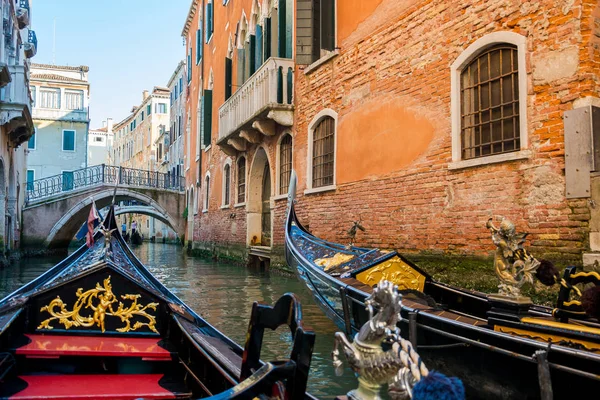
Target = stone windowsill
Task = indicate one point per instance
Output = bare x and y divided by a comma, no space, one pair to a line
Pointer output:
280,197
207,148
320,189
204,211
238,205
225,206
498,158
312,67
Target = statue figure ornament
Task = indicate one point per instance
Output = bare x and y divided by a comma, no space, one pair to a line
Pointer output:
513,264
398,366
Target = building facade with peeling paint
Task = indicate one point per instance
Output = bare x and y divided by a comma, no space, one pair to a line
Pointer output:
422,119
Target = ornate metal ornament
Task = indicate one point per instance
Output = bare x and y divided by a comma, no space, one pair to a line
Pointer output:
399,366
331,262
513,264
100,301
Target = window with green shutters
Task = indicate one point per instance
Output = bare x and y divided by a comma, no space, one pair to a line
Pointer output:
228,77
30,178
206,118
198,45
68,142
315,33
149,109
209,21
31,143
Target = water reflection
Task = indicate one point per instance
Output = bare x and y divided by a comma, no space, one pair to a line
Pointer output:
223,295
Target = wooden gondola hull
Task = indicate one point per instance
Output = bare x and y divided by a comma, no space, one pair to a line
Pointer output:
491,364
100,325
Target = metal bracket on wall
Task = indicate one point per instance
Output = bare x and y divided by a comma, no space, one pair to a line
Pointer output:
582,149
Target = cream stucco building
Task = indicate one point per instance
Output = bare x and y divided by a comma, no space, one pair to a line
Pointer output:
60,113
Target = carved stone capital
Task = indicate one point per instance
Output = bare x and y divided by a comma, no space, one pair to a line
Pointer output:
238,143
282,117
251,136
266,127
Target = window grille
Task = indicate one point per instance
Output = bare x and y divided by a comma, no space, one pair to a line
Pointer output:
490,103
323,153
285,164
241,179
227,185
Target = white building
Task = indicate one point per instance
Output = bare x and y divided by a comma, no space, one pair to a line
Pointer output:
17,44
174,142
60,114
99,142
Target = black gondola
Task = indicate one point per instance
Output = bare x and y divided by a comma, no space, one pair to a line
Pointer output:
498,353
99,325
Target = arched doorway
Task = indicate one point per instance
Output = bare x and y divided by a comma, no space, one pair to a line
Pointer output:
259,213
265,234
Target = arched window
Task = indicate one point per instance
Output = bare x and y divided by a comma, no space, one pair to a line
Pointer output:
241,180
489,88
226,184
206,192
285,163
323,153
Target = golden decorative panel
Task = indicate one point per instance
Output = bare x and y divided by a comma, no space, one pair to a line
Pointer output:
545,337
332,262
394,270
100,302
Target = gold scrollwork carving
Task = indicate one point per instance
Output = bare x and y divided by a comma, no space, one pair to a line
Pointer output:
396,271
334,261
101,308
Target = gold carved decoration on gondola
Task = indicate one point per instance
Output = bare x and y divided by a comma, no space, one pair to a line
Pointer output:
332,262
396,271
550,338
100,302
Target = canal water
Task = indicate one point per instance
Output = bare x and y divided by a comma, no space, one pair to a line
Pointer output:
223,295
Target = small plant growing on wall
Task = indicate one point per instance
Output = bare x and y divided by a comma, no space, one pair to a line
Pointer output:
185,213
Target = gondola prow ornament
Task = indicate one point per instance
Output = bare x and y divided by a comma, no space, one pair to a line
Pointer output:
399,366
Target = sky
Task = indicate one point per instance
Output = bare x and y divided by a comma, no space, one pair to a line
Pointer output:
129,45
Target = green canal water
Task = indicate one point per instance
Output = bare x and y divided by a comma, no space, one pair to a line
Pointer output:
223,295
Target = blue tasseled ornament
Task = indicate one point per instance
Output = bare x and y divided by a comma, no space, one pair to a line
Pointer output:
436,386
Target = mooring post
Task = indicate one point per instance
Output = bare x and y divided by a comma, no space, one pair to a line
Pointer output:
346,308
545,381
412,329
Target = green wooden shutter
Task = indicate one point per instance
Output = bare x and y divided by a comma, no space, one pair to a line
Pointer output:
281,31
316,34
328,24
267,40
252,57
241,58
198,45
207,117
304,32
228,73
259,48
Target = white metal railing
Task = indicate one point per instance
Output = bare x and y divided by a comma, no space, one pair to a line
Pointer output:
264,87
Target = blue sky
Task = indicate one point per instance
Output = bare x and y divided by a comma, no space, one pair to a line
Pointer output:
129,45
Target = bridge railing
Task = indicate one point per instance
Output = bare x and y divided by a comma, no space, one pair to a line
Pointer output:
99,175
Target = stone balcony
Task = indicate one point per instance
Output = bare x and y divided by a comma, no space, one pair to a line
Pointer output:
15,106
261,106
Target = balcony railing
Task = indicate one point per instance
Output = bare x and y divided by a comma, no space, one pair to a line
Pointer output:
270,87
99,175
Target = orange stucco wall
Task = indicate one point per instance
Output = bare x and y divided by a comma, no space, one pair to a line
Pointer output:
374,126
351,13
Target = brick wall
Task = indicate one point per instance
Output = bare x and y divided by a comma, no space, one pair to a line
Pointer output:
423,207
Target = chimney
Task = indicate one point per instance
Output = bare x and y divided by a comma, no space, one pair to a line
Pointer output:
144,95
109,125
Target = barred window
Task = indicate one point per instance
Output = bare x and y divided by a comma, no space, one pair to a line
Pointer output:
74,99
226,184
206,192
50,98
490,103
241,180
323,153
285,163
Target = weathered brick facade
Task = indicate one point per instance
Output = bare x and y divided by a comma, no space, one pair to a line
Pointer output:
390,85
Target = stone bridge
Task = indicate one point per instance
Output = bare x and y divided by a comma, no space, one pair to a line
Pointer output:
57,206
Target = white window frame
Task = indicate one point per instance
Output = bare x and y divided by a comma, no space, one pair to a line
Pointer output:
456,68
278,163
223,198
74,141
50,89
78,93
206,192
311,128
237,163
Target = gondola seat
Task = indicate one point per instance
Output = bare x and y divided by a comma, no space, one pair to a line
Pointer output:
54,346
102,386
